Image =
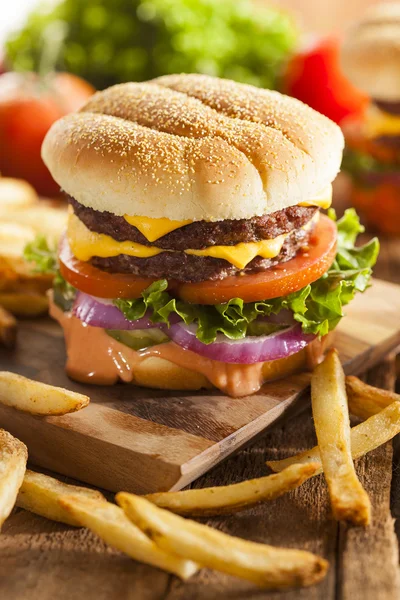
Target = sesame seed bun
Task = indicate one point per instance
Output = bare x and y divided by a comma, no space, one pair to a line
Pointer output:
193,147
370,54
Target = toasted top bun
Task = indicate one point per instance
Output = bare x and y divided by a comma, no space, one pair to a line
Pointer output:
370,53
193,147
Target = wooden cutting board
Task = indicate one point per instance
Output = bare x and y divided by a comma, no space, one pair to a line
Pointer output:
148,440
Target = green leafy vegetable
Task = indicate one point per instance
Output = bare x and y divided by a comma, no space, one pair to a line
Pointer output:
318,306
63,292
42,255
363,167
44,260
111,41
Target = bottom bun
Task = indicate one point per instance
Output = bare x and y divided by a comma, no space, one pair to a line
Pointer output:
160,373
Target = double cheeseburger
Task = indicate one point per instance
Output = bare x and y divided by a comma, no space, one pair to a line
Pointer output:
371,60
195,247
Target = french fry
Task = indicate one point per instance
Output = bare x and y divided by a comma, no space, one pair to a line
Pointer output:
230,498
350,502
264,565
22,218
14,237
366,400
40,218
365,437
16,194
13,458
8,329
38,398
110,523
40,494
24,304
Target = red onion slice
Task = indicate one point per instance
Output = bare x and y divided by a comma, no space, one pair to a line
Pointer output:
102,313
249,350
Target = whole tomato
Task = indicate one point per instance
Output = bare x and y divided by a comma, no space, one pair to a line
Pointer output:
29,105
314,76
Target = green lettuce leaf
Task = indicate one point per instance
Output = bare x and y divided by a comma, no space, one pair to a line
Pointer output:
44,260
318,307
42,255
358,164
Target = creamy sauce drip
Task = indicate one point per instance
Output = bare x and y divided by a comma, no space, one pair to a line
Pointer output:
95,357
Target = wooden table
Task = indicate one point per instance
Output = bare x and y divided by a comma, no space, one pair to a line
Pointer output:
46,561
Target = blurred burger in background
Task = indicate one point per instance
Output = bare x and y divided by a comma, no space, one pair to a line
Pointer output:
371,59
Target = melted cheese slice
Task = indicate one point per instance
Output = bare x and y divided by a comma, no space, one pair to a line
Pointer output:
322,200
380,123
241,254
85,244
153,229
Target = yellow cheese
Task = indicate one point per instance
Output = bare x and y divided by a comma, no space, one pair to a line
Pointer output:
380,123
152,229
322,200
241,254
85,244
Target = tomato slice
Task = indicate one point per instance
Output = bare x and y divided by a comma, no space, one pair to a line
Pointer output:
87,278
281,280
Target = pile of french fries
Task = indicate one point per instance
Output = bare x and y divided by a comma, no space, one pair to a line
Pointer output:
153,528
22,217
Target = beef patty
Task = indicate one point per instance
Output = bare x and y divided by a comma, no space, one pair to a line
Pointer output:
392,107
189,268
200,234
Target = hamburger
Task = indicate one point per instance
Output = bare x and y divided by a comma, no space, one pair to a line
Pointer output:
195,253
370,58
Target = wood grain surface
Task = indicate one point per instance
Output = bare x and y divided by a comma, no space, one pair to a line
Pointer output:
159,441
45,560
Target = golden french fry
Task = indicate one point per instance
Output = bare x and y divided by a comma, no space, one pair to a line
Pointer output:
16,194
13,238
24,304
110,523
8,328
22,291
230,498
38,398
365,437
350,502
264,565
40,494
40,218
13,458
20,225
366,400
